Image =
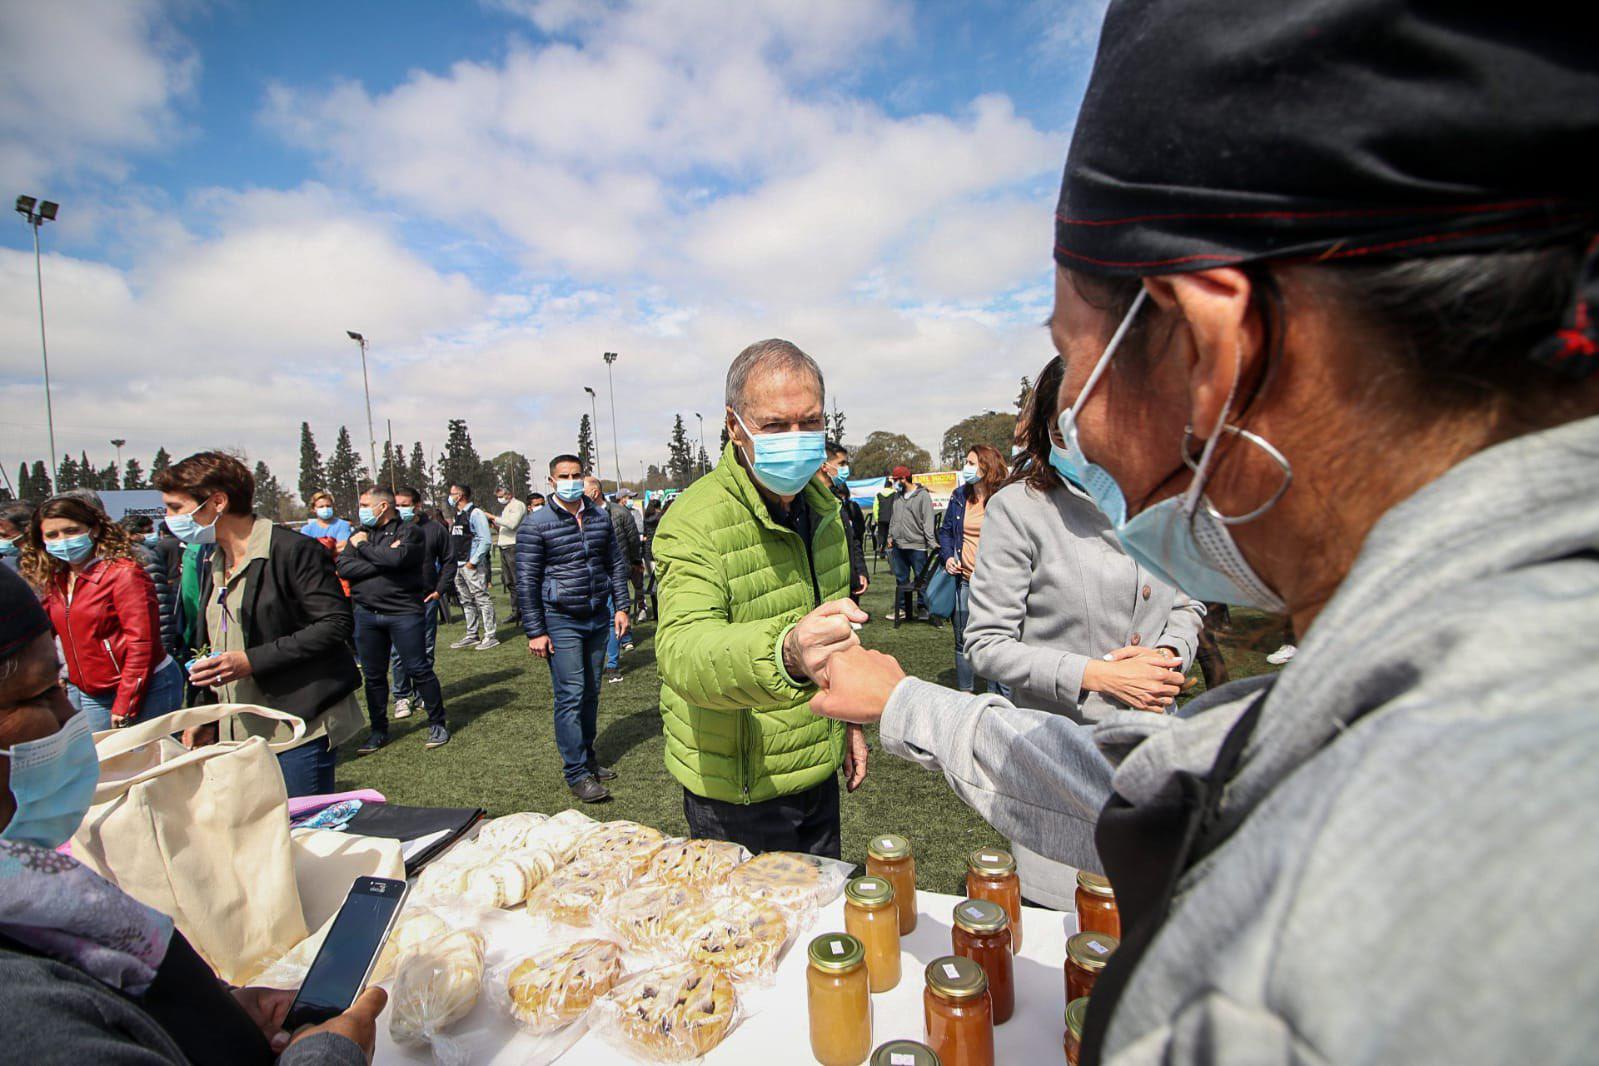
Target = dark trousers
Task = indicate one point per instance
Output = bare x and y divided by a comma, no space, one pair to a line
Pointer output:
508,580
907,564
378,634
577,657
805,821
308,769
404,689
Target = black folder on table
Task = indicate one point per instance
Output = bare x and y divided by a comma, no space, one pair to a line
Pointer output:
445,825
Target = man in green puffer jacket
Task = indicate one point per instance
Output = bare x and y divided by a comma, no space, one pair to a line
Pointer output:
753,570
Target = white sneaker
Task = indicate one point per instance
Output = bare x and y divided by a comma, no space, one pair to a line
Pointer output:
402,708
1282,655
488,642
465,642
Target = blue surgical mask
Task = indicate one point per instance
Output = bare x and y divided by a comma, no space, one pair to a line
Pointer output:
10,547
324,513
186,529
152,539
1017,449
843,473
407,513
1064,466
368,519
784,462
968,474
53,780
1183,540
71,549
569,489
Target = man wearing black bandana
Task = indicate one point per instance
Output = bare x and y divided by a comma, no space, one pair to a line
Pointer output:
1328,296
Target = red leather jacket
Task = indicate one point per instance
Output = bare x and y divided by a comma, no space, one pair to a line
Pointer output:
110,631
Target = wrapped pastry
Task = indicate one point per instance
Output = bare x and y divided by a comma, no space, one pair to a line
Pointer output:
650,917
674,1014
741,937
789,879
575,894
442,881
437,985
510,832
414,927
696,861
502,883
558,986
622,842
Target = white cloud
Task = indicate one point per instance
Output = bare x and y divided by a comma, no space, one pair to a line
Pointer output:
84,82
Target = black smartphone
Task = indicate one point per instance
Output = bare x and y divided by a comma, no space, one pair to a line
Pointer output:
344,964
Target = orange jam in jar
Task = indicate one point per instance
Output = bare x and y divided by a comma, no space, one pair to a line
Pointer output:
839,1001
1086,956
1076,1014
889,857
958,1012
981,932
1096,905
871,918
991,875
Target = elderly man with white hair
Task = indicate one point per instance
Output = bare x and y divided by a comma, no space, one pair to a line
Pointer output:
754,573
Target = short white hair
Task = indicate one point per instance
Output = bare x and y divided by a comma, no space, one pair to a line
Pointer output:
764,356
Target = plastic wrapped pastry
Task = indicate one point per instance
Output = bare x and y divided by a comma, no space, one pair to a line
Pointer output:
696,861
437,984
557,986
510,832
414,927
789,878
621,842
742,937
502,883
649,917
674,1014
576,893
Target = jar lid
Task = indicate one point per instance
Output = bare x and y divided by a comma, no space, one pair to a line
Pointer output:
869,892
991,862
1099,886
889,846
836,953
956,977
980,916
1091,950
904,1053
1076,1015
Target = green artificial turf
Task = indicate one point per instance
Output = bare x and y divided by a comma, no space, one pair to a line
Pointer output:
502,756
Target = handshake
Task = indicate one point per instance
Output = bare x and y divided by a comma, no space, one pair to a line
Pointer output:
855,683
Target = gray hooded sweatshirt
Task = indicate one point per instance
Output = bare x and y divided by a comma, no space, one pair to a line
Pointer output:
1413,872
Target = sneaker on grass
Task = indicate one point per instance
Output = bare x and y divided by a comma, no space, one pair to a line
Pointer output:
1282,655
438,736
465,642
488,642
372,743
402,708
613,676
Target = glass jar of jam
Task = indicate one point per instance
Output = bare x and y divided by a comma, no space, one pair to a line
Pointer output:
1096,905
889,857
904,1053
981,932
991,875
1076,1014
871,918
1086,956
840,1004
958,1012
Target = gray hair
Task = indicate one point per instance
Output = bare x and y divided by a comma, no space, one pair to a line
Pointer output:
380,492
768,355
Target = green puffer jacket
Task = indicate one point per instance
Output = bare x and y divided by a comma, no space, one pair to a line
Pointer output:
732,584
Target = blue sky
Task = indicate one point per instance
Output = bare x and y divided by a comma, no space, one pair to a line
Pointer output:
498,192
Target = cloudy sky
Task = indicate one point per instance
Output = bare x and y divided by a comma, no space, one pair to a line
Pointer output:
495,194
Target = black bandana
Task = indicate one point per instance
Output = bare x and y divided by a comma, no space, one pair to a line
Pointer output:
1216,132
22,617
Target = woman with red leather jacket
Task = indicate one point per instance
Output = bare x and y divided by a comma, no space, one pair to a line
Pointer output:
103,607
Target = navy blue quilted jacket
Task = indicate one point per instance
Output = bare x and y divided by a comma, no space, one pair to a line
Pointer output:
561,567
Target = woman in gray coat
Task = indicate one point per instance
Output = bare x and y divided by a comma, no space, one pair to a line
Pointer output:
1062,615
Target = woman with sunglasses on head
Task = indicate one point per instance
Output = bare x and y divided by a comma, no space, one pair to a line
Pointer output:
1328,297
103,606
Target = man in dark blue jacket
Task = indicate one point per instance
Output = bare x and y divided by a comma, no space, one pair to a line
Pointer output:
568,570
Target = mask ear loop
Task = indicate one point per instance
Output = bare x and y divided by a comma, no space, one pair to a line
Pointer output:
1201,466
1099,369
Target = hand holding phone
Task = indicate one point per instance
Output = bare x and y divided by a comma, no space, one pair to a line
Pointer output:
344,965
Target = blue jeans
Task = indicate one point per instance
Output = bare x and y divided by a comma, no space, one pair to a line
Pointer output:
907,564
576,658
613,646
308,769
162,697
403,688
376,636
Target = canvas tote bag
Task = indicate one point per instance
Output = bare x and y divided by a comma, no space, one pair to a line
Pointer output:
202,835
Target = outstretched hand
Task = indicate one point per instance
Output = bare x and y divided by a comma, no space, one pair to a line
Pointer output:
821,635
857,685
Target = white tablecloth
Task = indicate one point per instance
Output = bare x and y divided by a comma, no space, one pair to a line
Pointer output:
779,1030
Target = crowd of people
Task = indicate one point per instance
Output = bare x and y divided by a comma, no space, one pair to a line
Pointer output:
1343,372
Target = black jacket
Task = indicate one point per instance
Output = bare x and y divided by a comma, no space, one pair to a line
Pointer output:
297,626
166,599
626,527
855,527
385,570
438,571
561,567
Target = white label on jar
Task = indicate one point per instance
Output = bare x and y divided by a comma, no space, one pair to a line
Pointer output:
974,912
898,1058
885,843
838,947
1097,948
989,858
951,972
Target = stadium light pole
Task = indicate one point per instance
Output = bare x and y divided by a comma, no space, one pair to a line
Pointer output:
702,442
616,450
46,213
371,434
117,443
594,431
